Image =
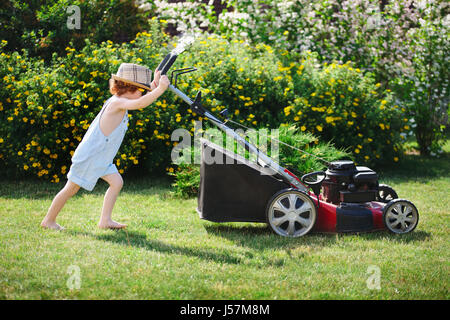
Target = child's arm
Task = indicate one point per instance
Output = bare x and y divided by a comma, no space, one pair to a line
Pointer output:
145,100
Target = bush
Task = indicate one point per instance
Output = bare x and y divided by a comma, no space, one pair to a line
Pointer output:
314,157
337,102
424,92
342,104
41,26
404,43
187,180
46,108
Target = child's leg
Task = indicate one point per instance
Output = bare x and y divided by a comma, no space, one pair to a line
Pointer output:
115,185
69,190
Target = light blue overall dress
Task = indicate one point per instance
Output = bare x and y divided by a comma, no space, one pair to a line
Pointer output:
94,156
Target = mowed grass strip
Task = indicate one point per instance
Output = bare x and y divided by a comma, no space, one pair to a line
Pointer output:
167,252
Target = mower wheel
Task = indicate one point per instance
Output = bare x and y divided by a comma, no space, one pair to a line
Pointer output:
386,193
291,213
400,216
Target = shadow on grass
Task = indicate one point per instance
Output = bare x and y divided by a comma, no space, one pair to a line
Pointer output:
35,189
139,240
262,237
414,167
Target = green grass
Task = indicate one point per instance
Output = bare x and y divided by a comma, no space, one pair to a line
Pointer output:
169,253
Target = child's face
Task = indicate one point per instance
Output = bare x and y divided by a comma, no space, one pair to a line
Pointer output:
136,95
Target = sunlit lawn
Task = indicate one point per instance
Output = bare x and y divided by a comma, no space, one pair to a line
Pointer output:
169,253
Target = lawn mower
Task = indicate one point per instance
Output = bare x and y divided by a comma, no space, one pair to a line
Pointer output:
344,198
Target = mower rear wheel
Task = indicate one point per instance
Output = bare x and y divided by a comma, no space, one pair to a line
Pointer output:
400,216
386,193
291,213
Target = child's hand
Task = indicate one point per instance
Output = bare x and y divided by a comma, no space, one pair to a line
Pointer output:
157,77
164,82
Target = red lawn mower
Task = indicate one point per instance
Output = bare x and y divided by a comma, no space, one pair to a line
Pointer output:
344,198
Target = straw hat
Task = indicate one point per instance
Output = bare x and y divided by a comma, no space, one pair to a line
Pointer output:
134,74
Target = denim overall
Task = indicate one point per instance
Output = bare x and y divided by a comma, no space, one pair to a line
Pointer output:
94,156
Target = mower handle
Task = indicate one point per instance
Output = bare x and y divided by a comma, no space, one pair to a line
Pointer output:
166,63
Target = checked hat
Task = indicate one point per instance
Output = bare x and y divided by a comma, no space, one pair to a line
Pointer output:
134,74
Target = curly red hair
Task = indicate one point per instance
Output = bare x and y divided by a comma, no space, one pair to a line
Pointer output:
119,87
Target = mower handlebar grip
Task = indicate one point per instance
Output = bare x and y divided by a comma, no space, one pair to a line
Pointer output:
167,62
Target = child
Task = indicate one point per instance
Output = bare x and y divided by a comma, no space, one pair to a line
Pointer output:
93,158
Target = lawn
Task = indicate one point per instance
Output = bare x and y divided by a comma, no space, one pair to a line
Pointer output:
167,252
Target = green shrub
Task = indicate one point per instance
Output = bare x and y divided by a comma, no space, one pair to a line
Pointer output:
41,26
46,108
314,157
187,180
337,102
342,104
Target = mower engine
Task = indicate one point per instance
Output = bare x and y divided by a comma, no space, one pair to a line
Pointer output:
345,182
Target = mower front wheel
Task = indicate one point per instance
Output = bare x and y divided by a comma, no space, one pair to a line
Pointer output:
291,213
400,216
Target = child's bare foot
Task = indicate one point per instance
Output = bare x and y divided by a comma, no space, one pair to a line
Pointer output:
51,225
111,225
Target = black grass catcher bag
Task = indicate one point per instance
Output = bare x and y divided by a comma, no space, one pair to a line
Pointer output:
232,188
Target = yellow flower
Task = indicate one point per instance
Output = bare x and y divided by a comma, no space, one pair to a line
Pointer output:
25,167
20,153
381,126
356,150
303,128
1,140
395,159
287,110
319,128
